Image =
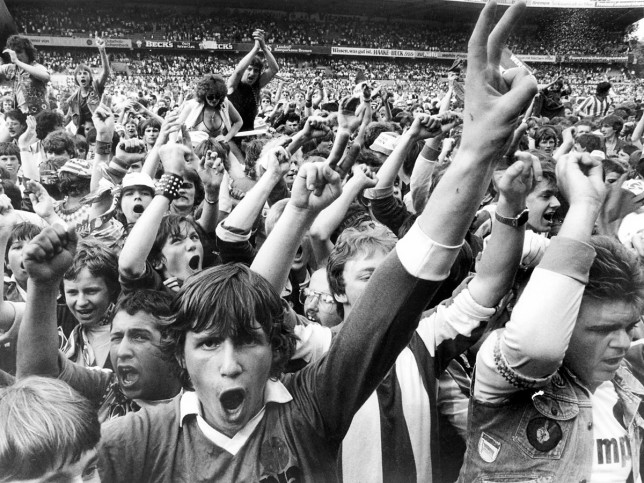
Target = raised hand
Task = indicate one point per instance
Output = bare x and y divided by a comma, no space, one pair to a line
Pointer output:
104,123
348,117
28,137
211,171
100,43
131,151
493,101
42,203
48,256
518,180
425,126
316,127
316,186
580,179
173,157
170,125
12,55
363,176
259,37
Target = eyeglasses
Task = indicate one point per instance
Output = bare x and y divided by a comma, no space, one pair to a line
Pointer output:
322,297
212,98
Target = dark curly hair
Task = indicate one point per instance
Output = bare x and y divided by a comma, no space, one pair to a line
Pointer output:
227,301
18,43
211,84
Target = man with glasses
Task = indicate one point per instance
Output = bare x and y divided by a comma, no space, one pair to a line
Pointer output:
318,302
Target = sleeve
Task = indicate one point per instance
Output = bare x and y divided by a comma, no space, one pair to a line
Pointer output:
90,382
451,328
234,245
7,71
388,210
532,346
378,328
149,280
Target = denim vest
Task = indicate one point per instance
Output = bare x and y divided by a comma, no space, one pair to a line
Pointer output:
93,100
545,435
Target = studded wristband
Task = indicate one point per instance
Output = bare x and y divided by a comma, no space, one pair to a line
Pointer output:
169,186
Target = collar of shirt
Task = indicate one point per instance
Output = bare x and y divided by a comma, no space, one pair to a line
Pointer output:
22,292
275,392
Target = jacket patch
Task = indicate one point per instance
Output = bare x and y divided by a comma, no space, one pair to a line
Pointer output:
543,433
488,448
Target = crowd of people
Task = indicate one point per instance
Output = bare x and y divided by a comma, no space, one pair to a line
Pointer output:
267,269
546,31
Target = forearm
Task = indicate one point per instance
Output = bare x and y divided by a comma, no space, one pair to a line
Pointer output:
29,165
463,184
105,73
445,101
210,212
37,352
140,240
38,71
341,141
99,159
234,129
243,216
275,257
389,170
151,163
638,131
500,260
330,218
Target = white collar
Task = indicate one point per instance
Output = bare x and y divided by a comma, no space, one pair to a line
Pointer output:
22,292
274,392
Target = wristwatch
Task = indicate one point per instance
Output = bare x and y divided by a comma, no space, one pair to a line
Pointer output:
519,220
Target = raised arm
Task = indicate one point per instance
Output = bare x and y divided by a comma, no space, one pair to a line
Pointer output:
535,340
140,240
638,132
38,71
315,187
236,76
272,68
46,258
105,63
330,218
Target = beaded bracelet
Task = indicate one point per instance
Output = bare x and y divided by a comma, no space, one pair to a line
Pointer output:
103,147
169,186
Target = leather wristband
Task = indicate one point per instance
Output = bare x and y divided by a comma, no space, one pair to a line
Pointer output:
103,147
169,186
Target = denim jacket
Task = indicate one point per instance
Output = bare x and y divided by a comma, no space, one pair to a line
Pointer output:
74,101
546,435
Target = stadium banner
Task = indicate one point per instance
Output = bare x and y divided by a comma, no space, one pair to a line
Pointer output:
546,59
409,54
300,49
166,44
214,45
569,3
592,59
41,40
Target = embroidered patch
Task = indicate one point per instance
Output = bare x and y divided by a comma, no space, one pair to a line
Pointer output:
543,433
488,448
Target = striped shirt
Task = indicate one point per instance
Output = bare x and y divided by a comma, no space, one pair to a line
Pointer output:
596,107
403,411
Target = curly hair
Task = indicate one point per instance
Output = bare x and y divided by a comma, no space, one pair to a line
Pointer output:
18,43
47,122
211,84
228,301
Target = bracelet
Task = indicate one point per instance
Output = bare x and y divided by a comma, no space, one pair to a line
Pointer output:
168,186
205,198
103,147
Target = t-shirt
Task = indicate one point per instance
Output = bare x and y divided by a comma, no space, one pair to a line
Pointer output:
245,98
612,450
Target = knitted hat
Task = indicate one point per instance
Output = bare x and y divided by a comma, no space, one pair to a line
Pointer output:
385,143
79,167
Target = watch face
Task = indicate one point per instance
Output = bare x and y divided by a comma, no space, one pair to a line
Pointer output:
523,218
